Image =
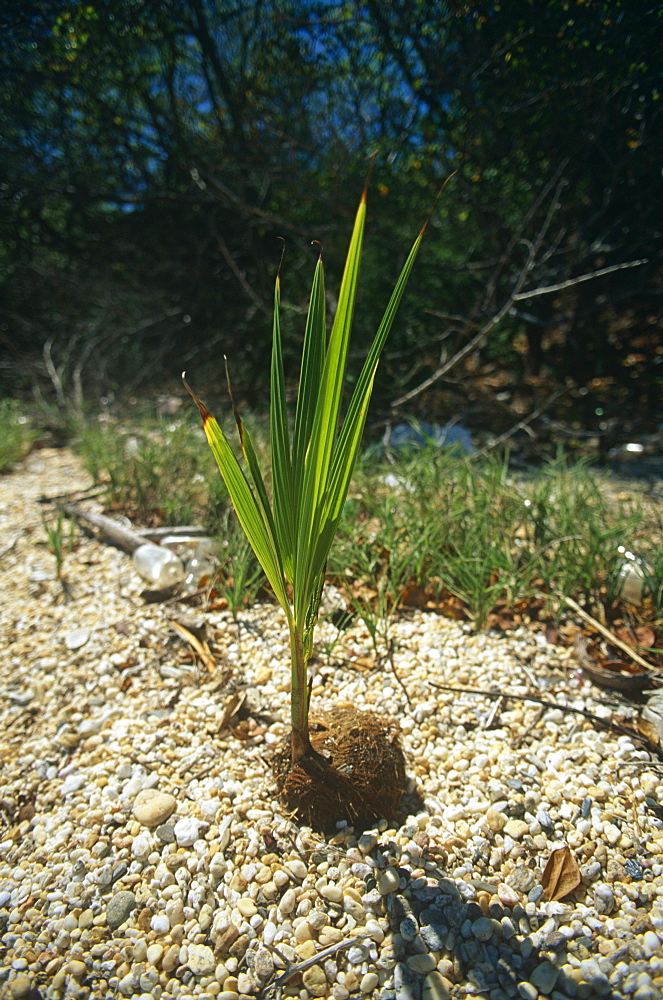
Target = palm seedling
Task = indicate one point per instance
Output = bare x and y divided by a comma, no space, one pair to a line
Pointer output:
292,532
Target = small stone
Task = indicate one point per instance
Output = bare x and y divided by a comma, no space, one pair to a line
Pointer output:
421,963
374,931
141,846
288,901
388,882
244,983
506,894
152,807
516,828
332,892
527,991
612,833
263,965
148,980
651,944
436,987
535,894
187,831
72,783
297,868
154,954
160,923
306,949
408,928
315,981
247,907
329,936
20,986
604,899
521,879
238,947
77,969
76,638
433,932
127,985
171,959
496,820
544,977
367,842
555,941
369,982
482,929
119,908
591,871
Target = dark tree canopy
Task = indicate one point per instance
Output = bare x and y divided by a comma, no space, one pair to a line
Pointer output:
154,151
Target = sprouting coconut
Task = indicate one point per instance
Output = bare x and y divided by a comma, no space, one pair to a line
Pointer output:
346,764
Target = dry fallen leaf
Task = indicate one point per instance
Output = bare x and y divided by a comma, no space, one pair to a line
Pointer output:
561,874
231,708
648,730
200,648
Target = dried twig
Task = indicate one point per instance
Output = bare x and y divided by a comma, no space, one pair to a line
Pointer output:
547,289
494,712
556,182
625,648
528,729
606,723
318,957
390,661
522,424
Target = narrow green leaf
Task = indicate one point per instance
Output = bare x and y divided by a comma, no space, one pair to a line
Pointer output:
252,514
284,501
310,379
325,423
349,439
248,451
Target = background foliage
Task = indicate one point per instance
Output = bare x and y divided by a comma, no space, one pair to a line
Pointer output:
154,152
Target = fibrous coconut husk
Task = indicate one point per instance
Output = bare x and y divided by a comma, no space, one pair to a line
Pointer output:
357,774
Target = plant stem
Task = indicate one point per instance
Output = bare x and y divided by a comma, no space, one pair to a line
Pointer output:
301,744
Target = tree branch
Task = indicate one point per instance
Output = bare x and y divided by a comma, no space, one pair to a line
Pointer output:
576,281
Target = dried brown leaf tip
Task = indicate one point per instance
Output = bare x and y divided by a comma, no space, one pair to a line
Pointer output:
561,876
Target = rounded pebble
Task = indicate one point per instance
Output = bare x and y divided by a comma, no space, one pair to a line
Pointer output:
152,807
119,908
388,882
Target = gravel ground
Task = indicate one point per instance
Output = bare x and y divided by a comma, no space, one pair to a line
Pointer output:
143,855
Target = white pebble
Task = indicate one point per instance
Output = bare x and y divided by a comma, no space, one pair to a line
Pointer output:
288,901
297,868
187,831
160,923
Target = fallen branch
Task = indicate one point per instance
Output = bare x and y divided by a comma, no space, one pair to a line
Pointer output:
124,538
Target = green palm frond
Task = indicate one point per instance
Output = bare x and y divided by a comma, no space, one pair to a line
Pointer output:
312,466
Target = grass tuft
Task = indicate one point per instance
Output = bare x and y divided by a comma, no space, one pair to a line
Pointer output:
453,527
17,434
